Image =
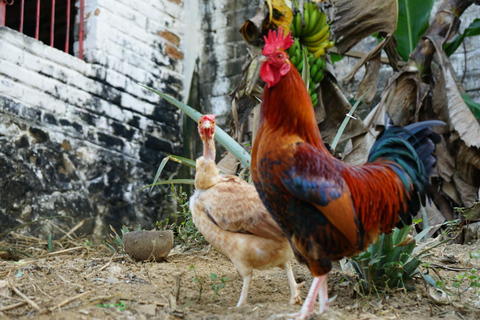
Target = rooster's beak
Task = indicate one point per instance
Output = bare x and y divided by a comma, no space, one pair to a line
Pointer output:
262,58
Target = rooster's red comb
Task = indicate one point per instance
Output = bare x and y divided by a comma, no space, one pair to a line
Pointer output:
277,40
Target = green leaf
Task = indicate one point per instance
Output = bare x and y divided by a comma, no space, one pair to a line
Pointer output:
335,57
413,18
472,105
472,30
228,142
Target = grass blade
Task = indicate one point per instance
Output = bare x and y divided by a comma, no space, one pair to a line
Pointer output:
306,67
159,171
345,121
174,181
189,162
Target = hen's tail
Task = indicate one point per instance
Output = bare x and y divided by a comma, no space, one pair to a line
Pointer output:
410,148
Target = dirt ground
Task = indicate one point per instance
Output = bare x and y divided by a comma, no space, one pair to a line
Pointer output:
86,283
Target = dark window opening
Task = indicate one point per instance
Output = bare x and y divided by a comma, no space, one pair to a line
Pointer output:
64,32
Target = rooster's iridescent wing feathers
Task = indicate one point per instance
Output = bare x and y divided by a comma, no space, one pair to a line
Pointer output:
307,180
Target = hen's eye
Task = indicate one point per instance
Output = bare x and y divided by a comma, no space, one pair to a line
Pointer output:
279,56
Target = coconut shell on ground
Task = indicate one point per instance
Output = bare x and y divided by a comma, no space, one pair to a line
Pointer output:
148,245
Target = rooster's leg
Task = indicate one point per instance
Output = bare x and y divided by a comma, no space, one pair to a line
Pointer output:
244,295
307,307
323,294
294,287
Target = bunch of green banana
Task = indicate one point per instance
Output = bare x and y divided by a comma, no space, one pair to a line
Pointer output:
296,55
315,32
316,68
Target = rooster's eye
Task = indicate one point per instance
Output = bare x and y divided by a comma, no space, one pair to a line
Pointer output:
279,56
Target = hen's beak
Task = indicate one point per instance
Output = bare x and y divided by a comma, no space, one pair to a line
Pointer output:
208,129
262,58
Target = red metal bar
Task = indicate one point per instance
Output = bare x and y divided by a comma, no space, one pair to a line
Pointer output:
3,11
37,25
81,16
22,10
68,26
52,25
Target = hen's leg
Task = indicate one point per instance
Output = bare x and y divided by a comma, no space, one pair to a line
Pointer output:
244,295
294,287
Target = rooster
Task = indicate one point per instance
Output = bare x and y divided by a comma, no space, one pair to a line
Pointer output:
232,218
326,208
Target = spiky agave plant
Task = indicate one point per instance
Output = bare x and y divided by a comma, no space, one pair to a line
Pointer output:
393,259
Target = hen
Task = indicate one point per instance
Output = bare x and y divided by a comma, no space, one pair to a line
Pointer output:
232,218
326,208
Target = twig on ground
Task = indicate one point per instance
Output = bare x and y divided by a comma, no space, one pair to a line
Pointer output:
176,289
13,306
24,297
106,265
161,304
44,273
67,301
59,229
63,251
79,225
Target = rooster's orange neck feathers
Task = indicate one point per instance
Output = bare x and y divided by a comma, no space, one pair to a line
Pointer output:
287,107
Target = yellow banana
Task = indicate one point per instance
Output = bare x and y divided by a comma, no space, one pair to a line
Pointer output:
325,37
315,39
323,45
319,53
322,20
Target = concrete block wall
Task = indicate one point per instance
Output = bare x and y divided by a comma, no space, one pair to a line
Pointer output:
80,138
223,52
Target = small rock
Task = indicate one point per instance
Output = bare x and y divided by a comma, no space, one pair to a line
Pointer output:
112,280
148,309
472,232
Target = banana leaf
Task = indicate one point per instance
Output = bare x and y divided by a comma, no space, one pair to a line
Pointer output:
472,105
472,30
413,18
228,142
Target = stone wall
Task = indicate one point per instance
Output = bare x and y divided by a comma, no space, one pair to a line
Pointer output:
80,138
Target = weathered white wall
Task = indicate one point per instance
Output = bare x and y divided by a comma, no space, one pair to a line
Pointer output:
223,52
80,138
